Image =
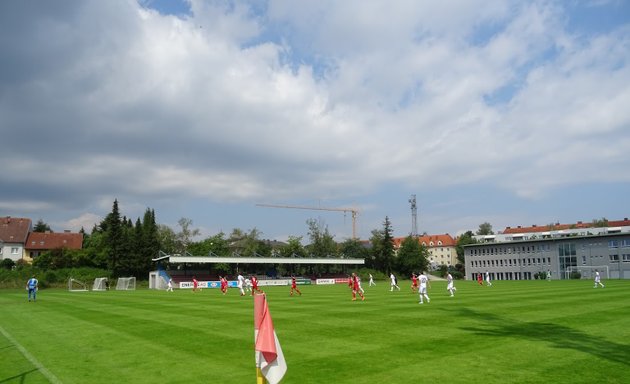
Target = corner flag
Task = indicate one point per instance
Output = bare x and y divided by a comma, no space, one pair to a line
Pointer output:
269,358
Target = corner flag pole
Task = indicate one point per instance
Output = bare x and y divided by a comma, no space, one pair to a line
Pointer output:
260,379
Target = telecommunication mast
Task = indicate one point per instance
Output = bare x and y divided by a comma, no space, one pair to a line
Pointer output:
414,216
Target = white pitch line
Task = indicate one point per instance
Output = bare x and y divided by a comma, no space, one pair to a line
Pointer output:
52,378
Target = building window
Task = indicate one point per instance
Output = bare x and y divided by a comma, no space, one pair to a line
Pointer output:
14,250
613,243
583,260
566,249
625,243
614,257
625,257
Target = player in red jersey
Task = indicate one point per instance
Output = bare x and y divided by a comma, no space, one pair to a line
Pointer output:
294,286
255,285
195,284
414,282
480,279
224,284
356,287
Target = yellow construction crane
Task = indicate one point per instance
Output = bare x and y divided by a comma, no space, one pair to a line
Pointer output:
344,210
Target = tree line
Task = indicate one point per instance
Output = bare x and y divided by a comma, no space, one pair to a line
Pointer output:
127,248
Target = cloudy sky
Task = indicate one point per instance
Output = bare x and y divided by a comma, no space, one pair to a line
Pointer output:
507,112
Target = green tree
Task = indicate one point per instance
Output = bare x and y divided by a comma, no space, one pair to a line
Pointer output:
412,257
383,248
149,243
186,234
354,249
95,248
322,245
601,223
245,243
322,242
293,248
485,229
167,239
128,248
115,238
41,226
216,244
465,239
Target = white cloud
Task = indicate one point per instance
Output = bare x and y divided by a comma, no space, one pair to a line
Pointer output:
327,98
85,221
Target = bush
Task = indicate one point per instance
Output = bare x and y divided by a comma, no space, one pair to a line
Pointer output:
364,273
540,276
575,275
7,264
50,278
457,275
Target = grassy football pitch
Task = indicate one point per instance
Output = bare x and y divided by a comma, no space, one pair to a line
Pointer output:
512,332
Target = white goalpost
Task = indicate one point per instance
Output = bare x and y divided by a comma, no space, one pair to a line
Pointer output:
126,284
588,271
76,285
100,284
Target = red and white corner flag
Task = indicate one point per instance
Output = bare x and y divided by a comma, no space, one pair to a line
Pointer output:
269,358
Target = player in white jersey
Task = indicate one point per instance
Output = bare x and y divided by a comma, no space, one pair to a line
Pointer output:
359,284
169,287
240,281
450,287
424,281
598,280
394,283
248,285
488,282
372,280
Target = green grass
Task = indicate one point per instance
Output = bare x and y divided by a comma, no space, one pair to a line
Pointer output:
513,332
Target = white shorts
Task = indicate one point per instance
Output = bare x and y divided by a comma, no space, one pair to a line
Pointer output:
449,286
423,289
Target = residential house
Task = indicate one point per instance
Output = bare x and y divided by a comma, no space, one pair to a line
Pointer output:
442,248
13,234
40,242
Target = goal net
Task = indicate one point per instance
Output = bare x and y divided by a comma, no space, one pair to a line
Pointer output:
126,284
587,271
76,285
100,284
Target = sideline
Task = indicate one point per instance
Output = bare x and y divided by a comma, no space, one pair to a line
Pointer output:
52,378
